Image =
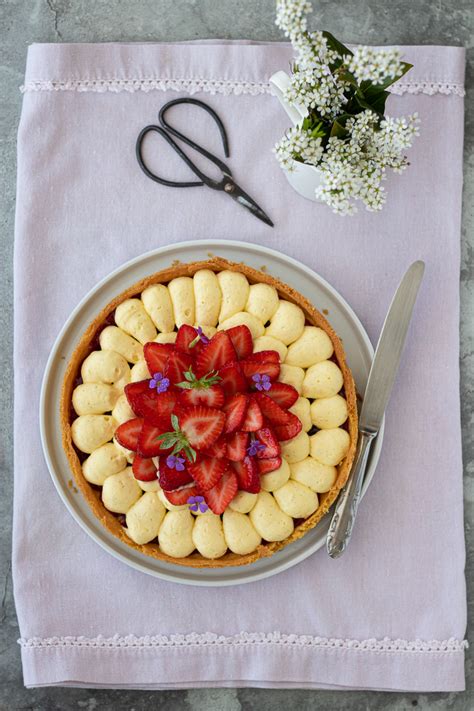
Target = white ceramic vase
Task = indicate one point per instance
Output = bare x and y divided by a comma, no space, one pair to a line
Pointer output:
304,178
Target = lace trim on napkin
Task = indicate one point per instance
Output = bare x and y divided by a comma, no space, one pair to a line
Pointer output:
215,86
246,639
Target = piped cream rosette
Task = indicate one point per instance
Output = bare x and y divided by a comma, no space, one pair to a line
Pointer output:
253,524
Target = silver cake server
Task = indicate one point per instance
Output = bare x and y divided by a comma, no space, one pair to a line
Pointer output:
379,386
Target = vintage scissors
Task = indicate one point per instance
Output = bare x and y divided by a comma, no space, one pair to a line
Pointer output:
227,183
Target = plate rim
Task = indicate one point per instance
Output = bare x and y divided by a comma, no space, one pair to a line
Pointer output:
48,376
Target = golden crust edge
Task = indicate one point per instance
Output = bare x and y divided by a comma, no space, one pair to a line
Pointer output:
107,519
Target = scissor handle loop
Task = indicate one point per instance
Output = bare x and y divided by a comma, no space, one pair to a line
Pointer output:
153,176
165,130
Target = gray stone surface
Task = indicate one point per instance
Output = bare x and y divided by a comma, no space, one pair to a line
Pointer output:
368,21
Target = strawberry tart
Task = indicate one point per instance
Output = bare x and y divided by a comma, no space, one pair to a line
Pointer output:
208,415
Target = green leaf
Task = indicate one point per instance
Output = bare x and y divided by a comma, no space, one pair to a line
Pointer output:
338,130
378,103
348,77
362,102
337,46
175,423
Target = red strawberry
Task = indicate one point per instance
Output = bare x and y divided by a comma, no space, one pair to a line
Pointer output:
241,338
283,394
218,449
207,472
290,430
179,497
201,425
232,379
218,353
155,407
178,363
148,444
220,496
247,475
134,392
128,433
267,437
237,446
265,357
273,412
212,396
186,335
253,418
251,367
144,469
268,465
171,479
156,356
235,410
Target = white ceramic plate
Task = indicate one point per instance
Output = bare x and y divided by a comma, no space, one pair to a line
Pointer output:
359,353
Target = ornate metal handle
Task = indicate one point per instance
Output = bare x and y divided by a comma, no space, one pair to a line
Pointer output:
345,513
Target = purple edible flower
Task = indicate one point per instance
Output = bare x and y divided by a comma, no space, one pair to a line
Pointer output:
159,382
262,382
174,462
202,336
197,502
255,448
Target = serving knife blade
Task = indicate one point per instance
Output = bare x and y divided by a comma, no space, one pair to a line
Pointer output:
377,393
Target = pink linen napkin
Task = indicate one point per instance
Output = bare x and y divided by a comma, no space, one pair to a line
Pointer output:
391,613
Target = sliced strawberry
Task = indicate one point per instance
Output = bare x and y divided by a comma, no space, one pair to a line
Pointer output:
218,353
220,496
232,379
283,394
156,356
218,449
237,446
155,407
241,338
144,469
268,437
247,475
251,367
210,397
148,443
268,465
171,479
127,434
207,471
235,410
265,357
178,363
180,497
134,392
201,425
253,418
290,430
186,335
271,411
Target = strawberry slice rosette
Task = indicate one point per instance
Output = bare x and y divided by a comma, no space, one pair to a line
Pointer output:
210,419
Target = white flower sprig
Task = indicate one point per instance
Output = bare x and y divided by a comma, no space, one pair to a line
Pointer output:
345,134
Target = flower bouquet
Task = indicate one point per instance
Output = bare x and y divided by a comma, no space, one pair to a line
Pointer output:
342,132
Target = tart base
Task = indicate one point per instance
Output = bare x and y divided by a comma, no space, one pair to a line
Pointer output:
85,346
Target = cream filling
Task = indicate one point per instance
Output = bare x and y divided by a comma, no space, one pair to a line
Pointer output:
309,463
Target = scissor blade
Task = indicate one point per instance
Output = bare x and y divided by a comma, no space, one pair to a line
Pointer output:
246,201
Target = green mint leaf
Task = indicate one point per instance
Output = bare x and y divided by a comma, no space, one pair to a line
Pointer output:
175,423
184,385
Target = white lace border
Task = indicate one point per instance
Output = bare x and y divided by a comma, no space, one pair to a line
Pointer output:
214,86
246,639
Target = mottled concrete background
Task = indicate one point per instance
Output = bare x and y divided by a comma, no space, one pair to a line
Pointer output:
366,21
